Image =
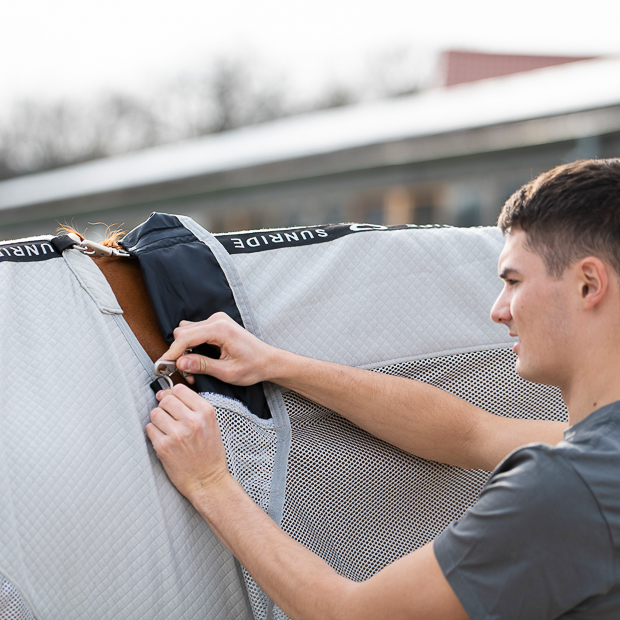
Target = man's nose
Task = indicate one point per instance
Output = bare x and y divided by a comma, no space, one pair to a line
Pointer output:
500,311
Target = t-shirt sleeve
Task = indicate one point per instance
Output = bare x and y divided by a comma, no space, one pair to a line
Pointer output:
534,545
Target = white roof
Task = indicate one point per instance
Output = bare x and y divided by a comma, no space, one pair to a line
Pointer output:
550,91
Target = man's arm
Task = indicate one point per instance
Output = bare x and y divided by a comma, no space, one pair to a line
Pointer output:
416,417
186,437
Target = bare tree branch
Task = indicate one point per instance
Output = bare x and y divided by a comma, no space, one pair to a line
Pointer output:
230,94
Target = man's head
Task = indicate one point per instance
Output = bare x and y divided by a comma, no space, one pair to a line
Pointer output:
569,212
560,261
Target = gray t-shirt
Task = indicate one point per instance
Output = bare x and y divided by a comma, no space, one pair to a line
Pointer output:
543,539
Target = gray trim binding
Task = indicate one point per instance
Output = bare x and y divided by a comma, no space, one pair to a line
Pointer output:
443,353
135,345
104,299
88,264
281,421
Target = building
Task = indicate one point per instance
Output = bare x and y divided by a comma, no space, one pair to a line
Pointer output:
462,66
447,155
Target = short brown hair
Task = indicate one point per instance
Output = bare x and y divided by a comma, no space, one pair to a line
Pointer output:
568,213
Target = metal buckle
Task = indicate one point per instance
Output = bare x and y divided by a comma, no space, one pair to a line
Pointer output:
165,368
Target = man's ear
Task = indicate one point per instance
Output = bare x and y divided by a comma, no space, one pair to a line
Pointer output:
593,278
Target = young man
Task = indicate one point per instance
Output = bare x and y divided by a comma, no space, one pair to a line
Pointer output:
543,540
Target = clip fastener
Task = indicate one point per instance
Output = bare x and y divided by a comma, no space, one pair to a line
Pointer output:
92,248
165,368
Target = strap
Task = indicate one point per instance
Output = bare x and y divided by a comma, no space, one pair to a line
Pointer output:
62,243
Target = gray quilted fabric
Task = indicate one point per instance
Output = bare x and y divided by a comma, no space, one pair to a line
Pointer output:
91,526
376,298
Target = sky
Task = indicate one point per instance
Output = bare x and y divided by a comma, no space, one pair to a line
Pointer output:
76,49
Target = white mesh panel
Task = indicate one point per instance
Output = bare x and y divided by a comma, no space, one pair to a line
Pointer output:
360,503
488,380
12,605
250,453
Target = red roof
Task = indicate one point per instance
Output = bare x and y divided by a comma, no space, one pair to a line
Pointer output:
459,67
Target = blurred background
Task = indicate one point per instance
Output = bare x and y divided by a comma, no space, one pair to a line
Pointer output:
250,114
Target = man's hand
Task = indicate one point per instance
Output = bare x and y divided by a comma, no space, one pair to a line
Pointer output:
244,359
187,440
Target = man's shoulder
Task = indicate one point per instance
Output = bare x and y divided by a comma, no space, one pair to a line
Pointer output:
597,433
590,449
545,481
537,476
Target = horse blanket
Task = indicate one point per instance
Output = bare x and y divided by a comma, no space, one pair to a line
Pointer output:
93,527
90,526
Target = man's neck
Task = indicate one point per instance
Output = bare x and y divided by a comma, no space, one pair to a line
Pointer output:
591,391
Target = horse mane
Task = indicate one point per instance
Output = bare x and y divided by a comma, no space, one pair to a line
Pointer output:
113,234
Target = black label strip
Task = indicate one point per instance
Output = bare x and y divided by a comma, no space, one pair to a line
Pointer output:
261,240
27,251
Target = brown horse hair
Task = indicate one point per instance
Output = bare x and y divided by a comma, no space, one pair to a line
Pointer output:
113,234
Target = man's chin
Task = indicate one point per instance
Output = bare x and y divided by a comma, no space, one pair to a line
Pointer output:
531,374
523,371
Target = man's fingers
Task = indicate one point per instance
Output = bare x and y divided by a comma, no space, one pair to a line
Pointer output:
179,408
192,336
180,401
153,433
163,421
187,398
220,331
195,364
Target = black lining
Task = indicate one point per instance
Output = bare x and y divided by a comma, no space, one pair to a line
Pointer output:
185,282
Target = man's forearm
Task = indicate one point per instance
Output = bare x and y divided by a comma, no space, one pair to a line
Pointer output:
416,417
302,584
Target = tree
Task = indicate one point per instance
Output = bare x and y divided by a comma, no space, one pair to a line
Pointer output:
231,93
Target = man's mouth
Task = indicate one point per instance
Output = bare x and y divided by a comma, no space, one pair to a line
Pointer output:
515,346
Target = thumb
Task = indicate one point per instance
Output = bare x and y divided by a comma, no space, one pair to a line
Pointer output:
196,364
